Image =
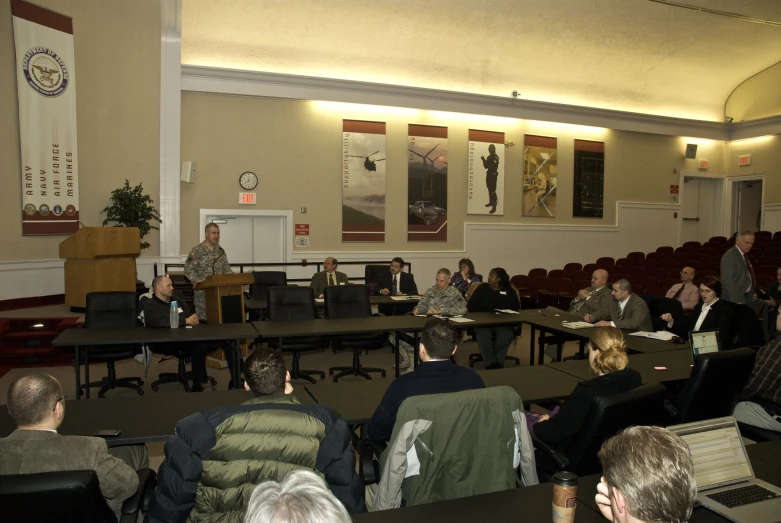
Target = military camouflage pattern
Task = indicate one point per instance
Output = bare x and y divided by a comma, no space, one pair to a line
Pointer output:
447,300
201,263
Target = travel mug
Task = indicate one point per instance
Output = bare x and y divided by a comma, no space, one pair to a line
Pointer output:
565,489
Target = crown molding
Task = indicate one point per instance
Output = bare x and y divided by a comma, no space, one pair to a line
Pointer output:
274,85
753,128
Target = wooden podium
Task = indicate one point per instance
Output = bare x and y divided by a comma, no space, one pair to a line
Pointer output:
99,259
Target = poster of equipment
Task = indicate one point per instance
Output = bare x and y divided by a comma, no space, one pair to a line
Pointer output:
539,176
589,179
363,181
427,183
485,194
46,87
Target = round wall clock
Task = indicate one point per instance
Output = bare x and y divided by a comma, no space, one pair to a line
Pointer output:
248,180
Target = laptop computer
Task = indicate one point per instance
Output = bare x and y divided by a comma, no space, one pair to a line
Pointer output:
703,342
722,471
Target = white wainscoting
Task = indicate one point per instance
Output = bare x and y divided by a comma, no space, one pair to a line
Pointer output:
772,217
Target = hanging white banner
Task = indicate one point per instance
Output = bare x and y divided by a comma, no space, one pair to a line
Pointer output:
46,85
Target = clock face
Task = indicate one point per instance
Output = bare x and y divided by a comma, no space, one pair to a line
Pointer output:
248,180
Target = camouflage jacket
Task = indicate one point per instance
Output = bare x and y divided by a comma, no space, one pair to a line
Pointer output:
203,262
448,300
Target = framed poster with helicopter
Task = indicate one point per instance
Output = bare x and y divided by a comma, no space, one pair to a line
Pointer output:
427,183
363,181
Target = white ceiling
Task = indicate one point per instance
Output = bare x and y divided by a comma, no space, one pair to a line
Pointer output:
629,55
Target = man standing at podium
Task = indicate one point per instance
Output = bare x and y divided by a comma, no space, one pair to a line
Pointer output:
205,259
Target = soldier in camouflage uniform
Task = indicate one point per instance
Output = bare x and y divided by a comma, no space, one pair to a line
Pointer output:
205,259
439,299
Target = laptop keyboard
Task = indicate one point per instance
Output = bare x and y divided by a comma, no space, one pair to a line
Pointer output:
742,496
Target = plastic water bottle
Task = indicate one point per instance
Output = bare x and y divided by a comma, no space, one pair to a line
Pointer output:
173,315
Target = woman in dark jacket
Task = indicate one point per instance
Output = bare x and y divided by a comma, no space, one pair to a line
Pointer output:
498,293
465,277
709,314
607,356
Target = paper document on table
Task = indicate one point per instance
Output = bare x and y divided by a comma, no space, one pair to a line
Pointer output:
576,324
320,300
402,298
660,335
507,311
457,319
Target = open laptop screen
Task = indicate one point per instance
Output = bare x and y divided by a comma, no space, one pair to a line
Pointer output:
703,342
717,450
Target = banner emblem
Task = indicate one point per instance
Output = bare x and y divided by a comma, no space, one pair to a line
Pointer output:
45,71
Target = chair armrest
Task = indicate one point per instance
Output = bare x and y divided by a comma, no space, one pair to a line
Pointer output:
672,410
558,457
147,481
368,467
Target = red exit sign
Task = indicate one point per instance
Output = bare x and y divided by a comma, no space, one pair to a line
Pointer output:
247,198
744,159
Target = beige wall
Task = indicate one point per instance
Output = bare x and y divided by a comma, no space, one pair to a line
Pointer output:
294,148
117,46
757,97
765,159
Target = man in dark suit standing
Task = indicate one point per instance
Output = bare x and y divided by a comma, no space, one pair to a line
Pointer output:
396,282
37,405
327,278
625,311
739,281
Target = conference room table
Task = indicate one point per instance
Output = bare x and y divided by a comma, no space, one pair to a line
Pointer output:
141,419
661,367
356,401
262,303
83,337
406,324
765,460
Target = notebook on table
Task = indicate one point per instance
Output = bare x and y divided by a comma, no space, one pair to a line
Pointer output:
725,481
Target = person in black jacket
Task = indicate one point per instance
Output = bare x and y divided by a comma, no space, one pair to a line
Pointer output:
217,456
396,282
156,314
709,314
497,293
608,359
436,374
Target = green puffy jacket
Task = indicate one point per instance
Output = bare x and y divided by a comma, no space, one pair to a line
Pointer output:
447,446
218,456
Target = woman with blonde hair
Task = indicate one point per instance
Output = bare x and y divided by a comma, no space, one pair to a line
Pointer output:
608,359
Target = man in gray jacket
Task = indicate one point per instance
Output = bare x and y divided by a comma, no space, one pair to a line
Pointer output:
625,311
738,279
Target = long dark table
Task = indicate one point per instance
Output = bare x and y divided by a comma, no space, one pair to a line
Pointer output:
356,401
678,363
765,460
519,504
82,337
141,419
262,303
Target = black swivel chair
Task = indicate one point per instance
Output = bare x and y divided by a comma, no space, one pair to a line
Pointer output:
264,280
111,310
295,304
746,327
352,301
370,275
68,497
607,416
658,305
714,386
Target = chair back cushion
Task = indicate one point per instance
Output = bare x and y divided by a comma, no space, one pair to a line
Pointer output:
347,301
643,405
715,384
70,496
371,274
746,328
265,280
658,305
111,310
291,303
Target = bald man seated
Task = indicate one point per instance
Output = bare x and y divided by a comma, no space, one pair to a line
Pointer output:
685,292
590,299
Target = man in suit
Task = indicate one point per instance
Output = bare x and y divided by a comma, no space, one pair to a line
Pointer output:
36,403
625,311
396,282
591,299
739,281
327,278
685,292
709,314
436,374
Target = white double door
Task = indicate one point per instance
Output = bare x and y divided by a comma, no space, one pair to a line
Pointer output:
252,239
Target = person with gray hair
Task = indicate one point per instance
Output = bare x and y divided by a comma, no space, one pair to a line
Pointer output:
625,310
648,476
739,281
301,497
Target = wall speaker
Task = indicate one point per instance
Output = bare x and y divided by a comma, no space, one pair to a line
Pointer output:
187,172
691,151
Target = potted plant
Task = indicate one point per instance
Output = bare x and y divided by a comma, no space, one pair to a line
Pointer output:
130,207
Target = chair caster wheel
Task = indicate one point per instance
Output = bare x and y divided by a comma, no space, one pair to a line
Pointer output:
140,392
155,387
383,374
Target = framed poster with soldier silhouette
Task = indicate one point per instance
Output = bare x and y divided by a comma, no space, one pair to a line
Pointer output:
363,181
485,193
427,183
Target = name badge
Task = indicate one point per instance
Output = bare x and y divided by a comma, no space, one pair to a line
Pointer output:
503,292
